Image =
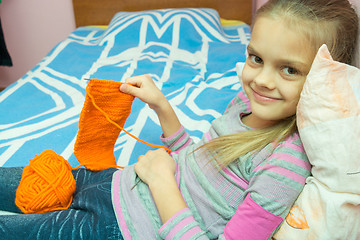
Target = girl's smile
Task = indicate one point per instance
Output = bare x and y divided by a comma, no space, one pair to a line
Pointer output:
262,98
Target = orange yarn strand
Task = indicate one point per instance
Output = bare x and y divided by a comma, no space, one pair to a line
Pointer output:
118,126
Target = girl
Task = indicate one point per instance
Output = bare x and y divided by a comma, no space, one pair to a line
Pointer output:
240,180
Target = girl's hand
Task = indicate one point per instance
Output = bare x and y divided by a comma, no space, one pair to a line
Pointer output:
157,170
155,167
144,88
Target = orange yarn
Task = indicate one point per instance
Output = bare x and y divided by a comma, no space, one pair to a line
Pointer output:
47,184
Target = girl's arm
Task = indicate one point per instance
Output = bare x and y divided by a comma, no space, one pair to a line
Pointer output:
144,88
157,168
282,174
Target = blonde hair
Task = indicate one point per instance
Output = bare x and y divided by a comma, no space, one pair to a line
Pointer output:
333,22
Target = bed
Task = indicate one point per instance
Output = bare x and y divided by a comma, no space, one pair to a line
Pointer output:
186,48
190,49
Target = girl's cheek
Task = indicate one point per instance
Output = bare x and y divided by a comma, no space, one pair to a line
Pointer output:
248,75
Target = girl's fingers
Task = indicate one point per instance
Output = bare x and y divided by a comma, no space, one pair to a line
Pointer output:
129,89
137,80
134,84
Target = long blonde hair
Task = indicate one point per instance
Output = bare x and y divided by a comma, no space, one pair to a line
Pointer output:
333,22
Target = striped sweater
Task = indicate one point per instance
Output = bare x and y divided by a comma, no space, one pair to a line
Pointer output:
247,200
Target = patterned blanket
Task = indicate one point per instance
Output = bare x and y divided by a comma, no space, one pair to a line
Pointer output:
189,54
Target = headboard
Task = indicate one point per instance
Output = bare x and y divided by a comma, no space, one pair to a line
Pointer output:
92,12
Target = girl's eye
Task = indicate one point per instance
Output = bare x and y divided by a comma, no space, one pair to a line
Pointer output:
255,59
290,71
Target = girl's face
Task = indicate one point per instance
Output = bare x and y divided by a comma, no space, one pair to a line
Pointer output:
275,71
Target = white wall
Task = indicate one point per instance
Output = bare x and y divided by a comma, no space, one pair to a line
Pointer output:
31,29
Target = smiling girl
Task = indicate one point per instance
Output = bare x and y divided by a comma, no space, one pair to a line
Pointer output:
240,180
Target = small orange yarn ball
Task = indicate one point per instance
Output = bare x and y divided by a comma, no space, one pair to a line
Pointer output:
47,184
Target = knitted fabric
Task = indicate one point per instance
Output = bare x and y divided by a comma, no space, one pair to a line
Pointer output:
104,104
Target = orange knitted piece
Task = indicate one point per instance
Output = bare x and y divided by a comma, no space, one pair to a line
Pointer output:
94,146
47,184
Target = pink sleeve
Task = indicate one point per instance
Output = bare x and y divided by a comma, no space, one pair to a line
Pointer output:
251,221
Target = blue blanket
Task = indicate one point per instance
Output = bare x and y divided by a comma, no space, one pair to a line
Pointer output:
187,52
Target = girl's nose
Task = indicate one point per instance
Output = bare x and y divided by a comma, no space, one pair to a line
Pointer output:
265,78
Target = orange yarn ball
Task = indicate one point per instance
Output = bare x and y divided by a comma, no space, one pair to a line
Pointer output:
47,184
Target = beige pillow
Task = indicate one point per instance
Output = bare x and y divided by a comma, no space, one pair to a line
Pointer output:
328,118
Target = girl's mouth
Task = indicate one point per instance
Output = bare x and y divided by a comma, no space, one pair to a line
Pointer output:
263,98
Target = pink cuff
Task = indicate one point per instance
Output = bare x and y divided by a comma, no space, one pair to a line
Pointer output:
172,218
251,221
172,136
